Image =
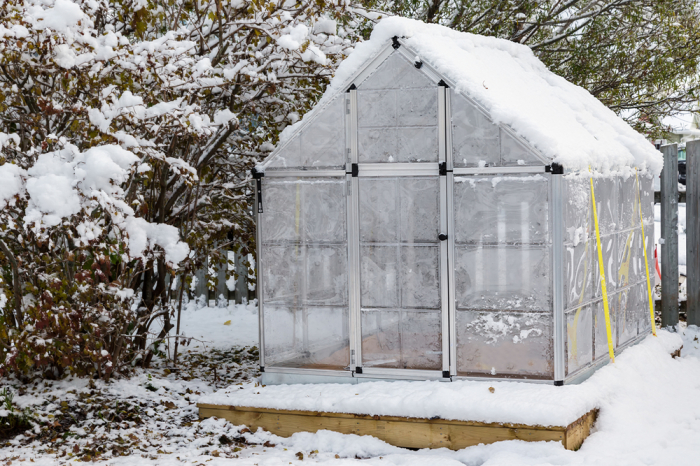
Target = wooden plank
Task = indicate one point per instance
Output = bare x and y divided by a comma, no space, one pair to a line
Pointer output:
399,431
692,212
669,233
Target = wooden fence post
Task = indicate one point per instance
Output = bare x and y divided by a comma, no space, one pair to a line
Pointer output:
669,236
692,238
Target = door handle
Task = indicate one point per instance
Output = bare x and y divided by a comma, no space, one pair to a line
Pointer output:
442,236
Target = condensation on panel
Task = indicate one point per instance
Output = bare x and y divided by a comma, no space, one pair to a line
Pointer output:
610,262
628,203
319,144
326,272
391,145
323,207
600,339
504,344
379,210
396,72
641,294
475,138
577,209
513,152
282,217
420,287
630,253
579,338
283,272
625,304
419,107
402,339
310,337
501,209
578,267
379,270
502,277
420,210
606,197
376,109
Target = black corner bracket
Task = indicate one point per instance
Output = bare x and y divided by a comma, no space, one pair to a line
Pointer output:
443,84
558,383
554,169
442,169
262,368
354,170
352,87
257,174
445,374
418,64
395,42
358,370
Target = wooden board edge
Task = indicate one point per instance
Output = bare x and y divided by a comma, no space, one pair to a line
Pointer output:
434,420
579,430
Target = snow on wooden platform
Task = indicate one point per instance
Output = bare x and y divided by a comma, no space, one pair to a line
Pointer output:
433,414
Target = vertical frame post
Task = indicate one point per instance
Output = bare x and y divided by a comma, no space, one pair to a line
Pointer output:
353,229
692,215
452,314
258,212
558,321
669,234
444,234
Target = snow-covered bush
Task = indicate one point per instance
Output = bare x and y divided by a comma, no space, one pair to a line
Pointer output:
127,130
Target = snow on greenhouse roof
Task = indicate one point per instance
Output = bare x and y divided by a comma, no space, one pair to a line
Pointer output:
564,122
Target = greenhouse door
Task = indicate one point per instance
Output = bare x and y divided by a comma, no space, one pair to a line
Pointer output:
402,263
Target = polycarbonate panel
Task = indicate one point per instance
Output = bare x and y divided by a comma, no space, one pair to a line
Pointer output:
319,144
647,199
323,206
501,209
419,107
379,283
396,72
641,294
610,261
282,205
420,283
310,337
283,273
326,275
515,153
475,138
579,338
630,261
379,210
600,338
503,277
578,270
402,339
392,145
606,197
628,205
376,109
626,316
420,211
504,344
577,209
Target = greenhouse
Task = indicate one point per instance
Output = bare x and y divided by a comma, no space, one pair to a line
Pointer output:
432,218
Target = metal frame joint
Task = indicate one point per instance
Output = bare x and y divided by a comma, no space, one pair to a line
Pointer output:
395,42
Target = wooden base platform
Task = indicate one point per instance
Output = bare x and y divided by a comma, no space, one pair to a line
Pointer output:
401,431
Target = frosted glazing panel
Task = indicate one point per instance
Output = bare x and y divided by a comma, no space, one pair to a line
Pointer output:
503,277
312,337
376,109
501,209
282,217
396,72
626,316
600,338
323,207
326,272
419,107
420,277
628,203
641,296
578,267
647,200
577,209
389,145
283,272
630,257
609,247
379,209
420,210
289,155
515,153
381,338
402,339
379,276
475,139
606,197
504,344
579,338
323,139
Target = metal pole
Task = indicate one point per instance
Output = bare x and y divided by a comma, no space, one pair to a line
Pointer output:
669,235
692,215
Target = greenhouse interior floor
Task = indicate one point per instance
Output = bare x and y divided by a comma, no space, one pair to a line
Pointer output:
432,414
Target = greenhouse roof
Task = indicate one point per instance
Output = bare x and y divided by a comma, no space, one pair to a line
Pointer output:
562,121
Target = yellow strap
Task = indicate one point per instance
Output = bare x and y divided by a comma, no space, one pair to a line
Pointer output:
646,261
611,350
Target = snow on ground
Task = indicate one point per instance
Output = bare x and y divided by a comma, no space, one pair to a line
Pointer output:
649,413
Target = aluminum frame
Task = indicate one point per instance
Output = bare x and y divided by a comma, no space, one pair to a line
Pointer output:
303,173
556,210
259,283
445,296
353,229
